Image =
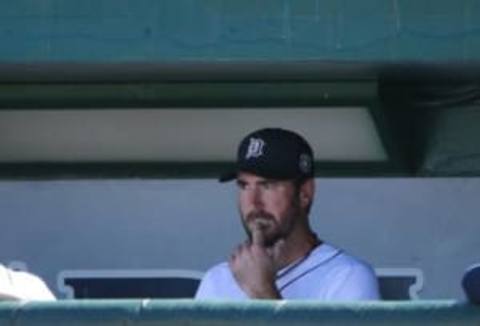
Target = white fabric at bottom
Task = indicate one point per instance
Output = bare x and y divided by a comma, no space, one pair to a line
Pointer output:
19,285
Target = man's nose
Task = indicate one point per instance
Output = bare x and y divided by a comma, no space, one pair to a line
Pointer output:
256,198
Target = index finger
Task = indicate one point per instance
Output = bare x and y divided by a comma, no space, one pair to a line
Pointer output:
258,237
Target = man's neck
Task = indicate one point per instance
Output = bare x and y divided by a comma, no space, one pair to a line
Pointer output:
296,248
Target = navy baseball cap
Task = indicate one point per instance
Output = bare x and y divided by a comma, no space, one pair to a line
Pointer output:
273,153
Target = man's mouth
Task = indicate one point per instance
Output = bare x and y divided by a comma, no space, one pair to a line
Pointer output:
261,219
262,223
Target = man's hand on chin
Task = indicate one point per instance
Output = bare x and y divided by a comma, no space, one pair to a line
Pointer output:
254,267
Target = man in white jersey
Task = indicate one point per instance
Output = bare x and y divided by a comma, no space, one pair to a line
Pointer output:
282,257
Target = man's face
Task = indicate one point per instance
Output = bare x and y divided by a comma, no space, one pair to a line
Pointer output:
271,205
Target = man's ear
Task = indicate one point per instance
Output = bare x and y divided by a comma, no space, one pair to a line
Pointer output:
307,191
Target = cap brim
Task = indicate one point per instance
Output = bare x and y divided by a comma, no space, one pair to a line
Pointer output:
228,176
232,175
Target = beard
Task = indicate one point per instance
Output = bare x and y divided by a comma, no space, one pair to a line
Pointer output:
272,229
267,225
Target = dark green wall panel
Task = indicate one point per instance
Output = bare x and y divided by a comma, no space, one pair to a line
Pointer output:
188,312
215,30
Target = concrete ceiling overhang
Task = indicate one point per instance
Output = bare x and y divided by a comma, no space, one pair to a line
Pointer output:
425,114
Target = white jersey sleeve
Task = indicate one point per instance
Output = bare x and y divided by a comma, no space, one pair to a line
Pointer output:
219,284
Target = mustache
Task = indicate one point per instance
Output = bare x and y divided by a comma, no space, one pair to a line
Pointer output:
259,215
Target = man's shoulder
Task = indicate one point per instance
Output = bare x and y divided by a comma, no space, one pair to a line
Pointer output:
341,262
328,252
348,276
218,270
219,283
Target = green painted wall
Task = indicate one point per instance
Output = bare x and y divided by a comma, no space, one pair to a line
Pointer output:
217,30
187,312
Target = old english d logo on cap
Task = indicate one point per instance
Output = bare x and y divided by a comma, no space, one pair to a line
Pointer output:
255,148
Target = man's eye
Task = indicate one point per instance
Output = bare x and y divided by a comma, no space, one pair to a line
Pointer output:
268,185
